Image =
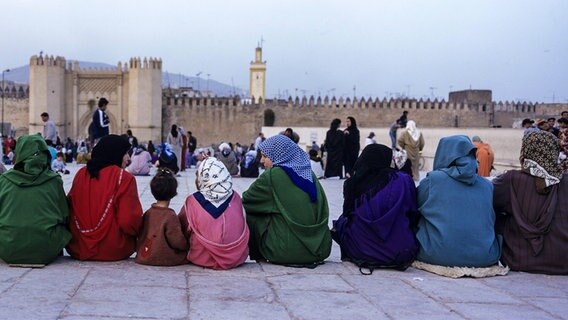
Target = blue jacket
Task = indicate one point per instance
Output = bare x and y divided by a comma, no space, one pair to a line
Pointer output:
100,125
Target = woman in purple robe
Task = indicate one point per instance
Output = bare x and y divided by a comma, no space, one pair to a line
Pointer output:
379,208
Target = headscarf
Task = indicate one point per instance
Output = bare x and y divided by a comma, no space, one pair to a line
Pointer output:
225,149
250,157
109,151
174,131
411,128
168,158
285,154
455,156
539,152
215,186
32,165
371,173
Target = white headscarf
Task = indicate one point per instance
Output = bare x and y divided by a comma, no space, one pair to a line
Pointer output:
214,181
411,128
224,146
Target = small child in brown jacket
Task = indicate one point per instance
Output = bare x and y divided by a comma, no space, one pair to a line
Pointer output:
161,241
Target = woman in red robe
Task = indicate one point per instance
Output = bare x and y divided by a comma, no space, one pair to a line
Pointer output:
105,211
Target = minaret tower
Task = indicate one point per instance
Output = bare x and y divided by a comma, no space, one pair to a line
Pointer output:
258,76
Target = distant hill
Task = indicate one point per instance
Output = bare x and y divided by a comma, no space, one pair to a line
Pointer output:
172,80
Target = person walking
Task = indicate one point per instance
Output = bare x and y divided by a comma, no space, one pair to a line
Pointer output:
412,142
100,125
49,130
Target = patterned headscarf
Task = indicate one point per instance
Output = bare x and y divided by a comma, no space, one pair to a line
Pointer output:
539,152
214,181
284,153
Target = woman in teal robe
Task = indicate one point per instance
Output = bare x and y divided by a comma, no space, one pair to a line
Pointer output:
286,208
457,224
33,207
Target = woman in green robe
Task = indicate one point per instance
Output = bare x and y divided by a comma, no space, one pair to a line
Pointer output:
33,207
286,208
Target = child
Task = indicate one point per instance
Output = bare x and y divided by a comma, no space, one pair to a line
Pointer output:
161,241
213,219
58,164
316,163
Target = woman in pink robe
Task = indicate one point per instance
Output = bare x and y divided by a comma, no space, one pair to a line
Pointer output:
214,221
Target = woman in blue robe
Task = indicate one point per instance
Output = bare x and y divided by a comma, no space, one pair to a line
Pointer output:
457,224
378,210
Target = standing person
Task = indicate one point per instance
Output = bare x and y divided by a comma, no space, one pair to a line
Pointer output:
352,146
379,210
213,219
286,208
563,139
100,125
49,130
106,214
457,223
528,125
484,157
184,140
175,141
392,133
533,208
370,139
161,241
403,120
334,144
412,142
258,140
191,146
33,207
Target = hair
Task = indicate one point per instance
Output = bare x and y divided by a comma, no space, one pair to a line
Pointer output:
335,124
59,154
563,112
372,134
313,153
353,122
129,132
405,112
45,114
102,102
164,185
563,120
189,132
49,142
174,130
551,119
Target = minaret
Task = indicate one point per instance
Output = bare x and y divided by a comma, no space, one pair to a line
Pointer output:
258,76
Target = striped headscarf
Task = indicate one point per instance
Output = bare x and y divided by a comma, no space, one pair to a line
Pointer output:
284,153
539,152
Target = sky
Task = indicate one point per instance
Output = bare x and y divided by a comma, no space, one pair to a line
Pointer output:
371,48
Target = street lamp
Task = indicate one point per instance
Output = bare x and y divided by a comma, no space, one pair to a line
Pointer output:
3,93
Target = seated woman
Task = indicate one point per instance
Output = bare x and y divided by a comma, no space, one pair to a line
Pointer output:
228,157
33,207
106,214
286,207
213,219
532,208
249,165
457,226
378,210
141,162
168,159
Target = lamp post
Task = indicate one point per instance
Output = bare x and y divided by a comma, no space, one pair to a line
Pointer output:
3,93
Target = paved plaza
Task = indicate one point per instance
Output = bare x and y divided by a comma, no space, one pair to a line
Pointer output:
69,289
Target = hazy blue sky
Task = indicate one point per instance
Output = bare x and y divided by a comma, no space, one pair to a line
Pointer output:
517,48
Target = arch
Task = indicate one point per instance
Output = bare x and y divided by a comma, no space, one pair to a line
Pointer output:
269,118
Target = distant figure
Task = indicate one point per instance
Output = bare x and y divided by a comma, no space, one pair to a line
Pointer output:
352,146
403,120
552,127
315,146
175,141
132,139
316,164
412,142
484,157
392,133
258,140
457,223
49,130
100,125
291,134
227,156
532,207
168,159
141,162
213,219
528,126
563,139
370,139
33,207
249,165
184,140
161,241
58,164
191,146
334,145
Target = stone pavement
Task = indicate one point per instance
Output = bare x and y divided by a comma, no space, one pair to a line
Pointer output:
69,289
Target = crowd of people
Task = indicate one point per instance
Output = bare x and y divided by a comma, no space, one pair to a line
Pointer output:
454,218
